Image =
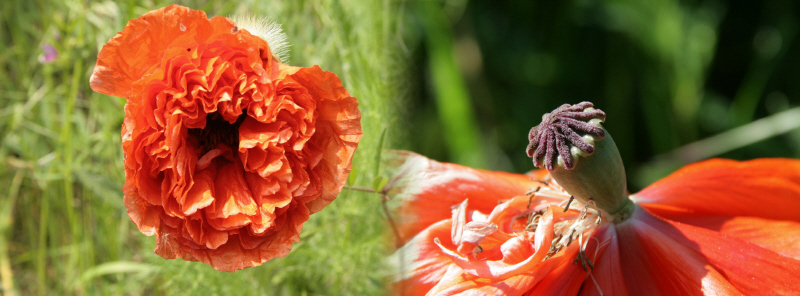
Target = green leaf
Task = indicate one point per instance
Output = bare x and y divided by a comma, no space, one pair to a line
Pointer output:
116,267
351,179
378,153
379,182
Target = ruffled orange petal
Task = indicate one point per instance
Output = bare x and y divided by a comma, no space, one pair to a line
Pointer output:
146,216
237,252
233,198
136,50
429,188
201,194
198,231
338,131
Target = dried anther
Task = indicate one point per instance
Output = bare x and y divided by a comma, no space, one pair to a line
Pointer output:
531,193
584,211
571,197
584,261
560,131
571,235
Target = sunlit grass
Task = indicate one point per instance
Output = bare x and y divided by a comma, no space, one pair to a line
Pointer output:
63,226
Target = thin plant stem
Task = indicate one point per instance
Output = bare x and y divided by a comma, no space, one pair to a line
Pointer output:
739,137
384,199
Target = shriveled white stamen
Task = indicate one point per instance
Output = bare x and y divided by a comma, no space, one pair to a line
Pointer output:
268,30
576,152
597,122
589,139
576,226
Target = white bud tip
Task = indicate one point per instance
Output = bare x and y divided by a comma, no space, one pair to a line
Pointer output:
268,30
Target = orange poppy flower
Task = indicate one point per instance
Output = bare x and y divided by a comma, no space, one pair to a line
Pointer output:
227,151
715,227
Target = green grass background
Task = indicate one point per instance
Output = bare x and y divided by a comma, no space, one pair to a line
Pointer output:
63,227
456,80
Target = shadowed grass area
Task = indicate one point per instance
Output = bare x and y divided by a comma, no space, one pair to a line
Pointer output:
63,227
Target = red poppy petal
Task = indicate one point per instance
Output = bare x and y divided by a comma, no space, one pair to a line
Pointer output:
739,262
558,275
765,188
456,282
778,236
658,261
429,188
607,273
422,260
138,48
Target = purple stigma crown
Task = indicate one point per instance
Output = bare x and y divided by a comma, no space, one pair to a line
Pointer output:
561,132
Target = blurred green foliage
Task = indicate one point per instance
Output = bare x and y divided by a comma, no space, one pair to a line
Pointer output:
667,73
679,80
63,227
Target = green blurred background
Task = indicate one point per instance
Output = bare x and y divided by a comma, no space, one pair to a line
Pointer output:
680,81
456,80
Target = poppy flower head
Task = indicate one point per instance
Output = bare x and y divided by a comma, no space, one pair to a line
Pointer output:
227,150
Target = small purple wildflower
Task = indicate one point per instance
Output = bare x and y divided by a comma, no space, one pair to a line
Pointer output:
49,54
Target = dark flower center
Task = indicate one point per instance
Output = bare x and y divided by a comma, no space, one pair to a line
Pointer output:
218,130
